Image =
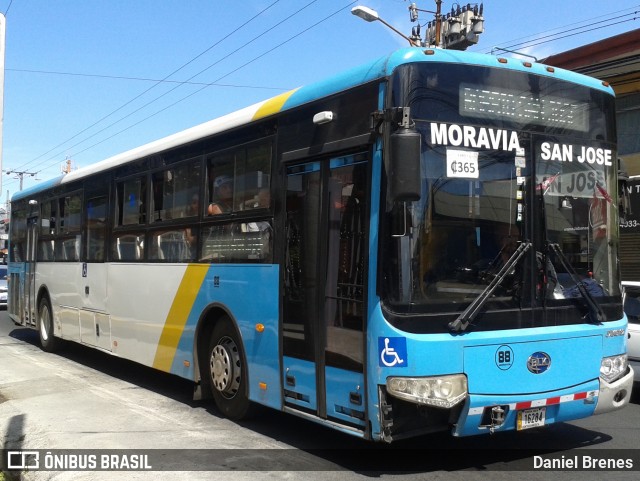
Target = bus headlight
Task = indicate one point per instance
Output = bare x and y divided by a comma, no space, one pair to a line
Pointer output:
441,391
614,367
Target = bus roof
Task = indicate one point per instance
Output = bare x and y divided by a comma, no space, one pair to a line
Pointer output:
376,69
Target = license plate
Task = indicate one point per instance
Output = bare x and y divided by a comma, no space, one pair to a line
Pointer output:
531,418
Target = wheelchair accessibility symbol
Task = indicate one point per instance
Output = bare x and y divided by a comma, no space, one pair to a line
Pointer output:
393,351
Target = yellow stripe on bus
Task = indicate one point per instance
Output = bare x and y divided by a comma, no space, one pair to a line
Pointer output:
177,317
273,106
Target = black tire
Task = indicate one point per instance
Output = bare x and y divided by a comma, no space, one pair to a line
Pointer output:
226,371
48,341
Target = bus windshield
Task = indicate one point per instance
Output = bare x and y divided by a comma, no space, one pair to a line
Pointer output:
507,159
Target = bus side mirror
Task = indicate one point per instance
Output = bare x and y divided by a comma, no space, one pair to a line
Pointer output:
404,165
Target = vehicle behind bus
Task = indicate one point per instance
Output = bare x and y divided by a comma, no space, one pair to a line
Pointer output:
630,268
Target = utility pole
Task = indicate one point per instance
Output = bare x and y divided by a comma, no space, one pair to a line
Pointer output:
67,167
19,174
457,30
2,51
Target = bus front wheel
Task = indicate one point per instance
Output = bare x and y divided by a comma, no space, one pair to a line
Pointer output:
227,371
48,341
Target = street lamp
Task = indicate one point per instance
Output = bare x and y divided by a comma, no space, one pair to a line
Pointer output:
370,15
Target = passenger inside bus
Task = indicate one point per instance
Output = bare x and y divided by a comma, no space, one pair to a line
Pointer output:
223,196
260,201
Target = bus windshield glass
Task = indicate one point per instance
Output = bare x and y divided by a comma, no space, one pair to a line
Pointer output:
507,158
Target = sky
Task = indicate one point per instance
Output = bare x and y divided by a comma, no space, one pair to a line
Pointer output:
88,79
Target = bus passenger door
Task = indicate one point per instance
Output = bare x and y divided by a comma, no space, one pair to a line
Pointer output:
30,307
323,305
95,319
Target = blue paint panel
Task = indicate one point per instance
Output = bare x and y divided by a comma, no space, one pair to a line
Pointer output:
250,294
338,162
339,386
470,424
437,354
615,345
573,361
42,186
385,66
303,392
373,307
343,81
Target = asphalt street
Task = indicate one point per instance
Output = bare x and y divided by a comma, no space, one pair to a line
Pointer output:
84,401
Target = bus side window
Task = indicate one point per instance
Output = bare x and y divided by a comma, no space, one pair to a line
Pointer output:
174,245
70,249
96,228
129,247
45,250
246,242
173,190
131,202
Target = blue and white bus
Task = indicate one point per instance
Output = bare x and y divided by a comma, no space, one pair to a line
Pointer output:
426,242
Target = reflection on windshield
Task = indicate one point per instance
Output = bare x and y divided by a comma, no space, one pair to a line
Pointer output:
449,245
579,216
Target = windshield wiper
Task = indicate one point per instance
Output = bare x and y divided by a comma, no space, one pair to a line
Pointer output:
469,314
594,308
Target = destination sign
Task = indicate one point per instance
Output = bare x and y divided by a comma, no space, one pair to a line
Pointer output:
575,153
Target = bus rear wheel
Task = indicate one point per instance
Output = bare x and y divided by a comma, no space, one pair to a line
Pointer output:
48,341
227,371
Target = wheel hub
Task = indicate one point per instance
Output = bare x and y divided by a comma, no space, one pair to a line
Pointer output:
225,367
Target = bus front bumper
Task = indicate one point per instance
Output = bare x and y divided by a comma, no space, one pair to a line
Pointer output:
484,414
615,395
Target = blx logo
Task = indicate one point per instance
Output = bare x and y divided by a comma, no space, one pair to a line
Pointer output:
23,460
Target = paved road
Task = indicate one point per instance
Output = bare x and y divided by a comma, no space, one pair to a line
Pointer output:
82,399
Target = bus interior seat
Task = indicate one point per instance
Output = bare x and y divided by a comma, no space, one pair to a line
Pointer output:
70,249
172,246
128,248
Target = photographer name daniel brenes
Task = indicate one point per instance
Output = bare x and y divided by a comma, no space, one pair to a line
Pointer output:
582,462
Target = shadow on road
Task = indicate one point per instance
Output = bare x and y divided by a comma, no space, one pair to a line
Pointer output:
13,439
319,448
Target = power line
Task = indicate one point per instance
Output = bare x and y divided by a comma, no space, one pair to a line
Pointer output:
205,85
534,37
564,27
220,78
168,92
244,24
142,79
235,70
558,36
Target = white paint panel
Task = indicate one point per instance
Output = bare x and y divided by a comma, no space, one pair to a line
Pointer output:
140,296
221,124
67,322
61,279
103,322
134,300
96,280
87,327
